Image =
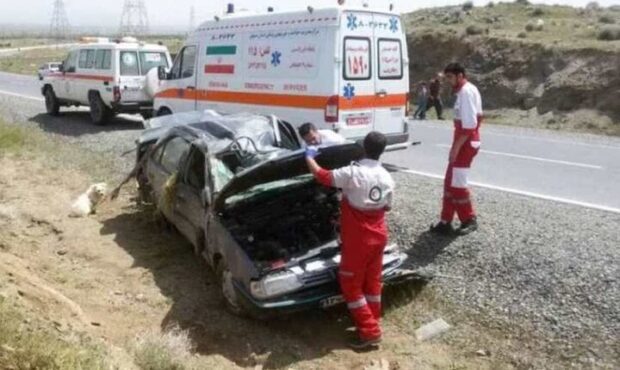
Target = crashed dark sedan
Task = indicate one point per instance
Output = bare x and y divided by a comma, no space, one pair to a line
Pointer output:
238,188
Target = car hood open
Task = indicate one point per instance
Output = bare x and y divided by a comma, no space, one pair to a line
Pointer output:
286,166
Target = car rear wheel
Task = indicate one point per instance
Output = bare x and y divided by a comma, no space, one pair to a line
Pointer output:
99,112
52,106
227,289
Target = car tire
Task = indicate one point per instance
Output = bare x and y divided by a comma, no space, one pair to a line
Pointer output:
227,290
99,112
52,106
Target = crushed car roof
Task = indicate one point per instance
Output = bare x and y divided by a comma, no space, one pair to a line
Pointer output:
218,131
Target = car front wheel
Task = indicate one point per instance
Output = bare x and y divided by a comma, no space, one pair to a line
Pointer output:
227,289
52,106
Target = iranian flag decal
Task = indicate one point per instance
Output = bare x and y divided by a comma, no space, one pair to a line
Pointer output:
220,59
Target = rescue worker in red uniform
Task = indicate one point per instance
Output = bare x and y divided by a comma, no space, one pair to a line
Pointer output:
367,190
465,146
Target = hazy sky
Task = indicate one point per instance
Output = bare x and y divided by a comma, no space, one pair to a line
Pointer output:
106,13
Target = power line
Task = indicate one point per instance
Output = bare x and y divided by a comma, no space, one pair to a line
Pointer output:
134,20
59,26
192,19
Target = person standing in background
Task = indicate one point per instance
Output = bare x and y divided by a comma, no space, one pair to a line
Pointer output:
434,99
422,99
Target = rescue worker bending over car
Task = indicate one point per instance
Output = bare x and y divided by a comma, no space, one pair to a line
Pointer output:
367,194
314,137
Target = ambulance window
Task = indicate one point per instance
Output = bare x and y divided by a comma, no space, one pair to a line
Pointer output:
102,59
184,64
390,59
129,64
357,64
83,57
90,59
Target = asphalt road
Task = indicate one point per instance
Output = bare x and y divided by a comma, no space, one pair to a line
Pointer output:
577,169
570,168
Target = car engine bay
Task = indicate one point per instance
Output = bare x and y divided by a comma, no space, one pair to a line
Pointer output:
285,223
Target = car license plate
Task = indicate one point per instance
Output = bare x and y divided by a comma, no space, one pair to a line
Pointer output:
331,301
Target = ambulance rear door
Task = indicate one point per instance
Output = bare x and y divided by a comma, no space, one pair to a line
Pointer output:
357,84
391,75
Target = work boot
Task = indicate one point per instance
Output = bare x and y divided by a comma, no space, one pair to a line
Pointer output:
468,227
442,228
359,344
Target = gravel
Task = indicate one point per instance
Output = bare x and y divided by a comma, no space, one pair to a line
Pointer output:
548,268
544,268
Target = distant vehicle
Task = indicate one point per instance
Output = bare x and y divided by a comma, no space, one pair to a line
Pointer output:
108,76
341,68
48,68
238,188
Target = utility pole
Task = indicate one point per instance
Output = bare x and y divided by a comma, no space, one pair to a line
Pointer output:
192,19
134,20
59,26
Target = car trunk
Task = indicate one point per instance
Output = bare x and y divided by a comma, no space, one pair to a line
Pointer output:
277,212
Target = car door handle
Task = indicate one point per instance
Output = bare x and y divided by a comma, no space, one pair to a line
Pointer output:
382,93
191,88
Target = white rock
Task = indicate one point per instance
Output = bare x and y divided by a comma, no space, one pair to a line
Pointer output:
431,330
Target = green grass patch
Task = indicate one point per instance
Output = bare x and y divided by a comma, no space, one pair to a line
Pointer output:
12,138
31,347
27,62
26,142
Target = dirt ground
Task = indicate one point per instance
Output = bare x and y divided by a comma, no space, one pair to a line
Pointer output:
117,275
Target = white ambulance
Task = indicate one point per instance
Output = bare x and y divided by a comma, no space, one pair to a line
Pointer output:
340,68
108,76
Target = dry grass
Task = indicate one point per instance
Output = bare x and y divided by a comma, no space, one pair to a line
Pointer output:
565,27
25,347
171,350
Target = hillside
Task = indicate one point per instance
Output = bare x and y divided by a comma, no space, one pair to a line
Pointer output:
547,65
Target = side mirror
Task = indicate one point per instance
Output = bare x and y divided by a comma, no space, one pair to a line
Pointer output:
61,67
161,73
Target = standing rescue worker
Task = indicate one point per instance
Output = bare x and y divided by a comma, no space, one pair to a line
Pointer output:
465,146
367,194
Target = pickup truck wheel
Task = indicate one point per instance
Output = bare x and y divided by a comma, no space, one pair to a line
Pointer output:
52,106
229,294
99,112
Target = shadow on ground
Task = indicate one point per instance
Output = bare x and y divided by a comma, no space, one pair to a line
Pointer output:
77,123
426,248
198,308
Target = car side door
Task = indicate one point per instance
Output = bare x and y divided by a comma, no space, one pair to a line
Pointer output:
163,172
193,197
